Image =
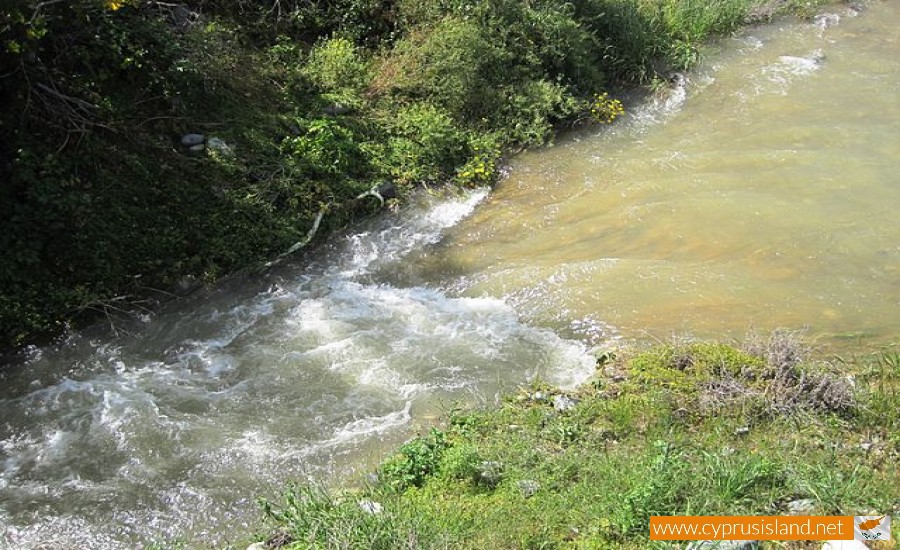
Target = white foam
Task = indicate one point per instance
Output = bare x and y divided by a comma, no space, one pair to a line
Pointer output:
369,249
825,21
183,423
778,77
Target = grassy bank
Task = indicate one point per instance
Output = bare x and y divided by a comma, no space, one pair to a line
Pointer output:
684,429
301,108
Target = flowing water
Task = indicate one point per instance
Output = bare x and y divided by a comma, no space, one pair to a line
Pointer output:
762,193
759,193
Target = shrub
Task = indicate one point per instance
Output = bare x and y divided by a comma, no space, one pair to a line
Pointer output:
336,67
424,144
415,461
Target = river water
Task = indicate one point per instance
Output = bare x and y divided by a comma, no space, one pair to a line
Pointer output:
759,194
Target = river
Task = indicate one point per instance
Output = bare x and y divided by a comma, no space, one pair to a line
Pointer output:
761,193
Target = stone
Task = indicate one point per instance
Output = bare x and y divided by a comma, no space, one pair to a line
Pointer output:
528,487
801,507
614,374
257,546
743,430
539,396
192,139
490,472
336,109
217,144
563,403
197,148
371,507
387,191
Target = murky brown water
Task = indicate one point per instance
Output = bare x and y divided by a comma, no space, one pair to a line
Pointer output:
765,194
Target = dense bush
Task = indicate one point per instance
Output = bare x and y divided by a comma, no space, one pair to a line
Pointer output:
318,102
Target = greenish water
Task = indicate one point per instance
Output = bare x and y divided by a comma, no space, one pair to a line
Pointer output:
761,194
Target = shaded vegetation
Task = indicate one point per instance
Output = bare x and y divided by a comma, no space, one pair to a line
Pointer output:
631,443
103,210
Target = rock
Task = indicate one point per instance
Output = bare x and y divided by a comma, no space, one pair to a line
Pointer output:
192,139
197,148
826,20
844,545
743,430
539,396
563,403
371,506
387,191
614,374
490,472
257,546
677,79
801,507
723,545
217,144
528,487
336,109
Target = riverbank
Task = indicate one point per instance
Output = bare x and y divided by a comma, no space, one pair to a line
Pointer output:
764,428
153,147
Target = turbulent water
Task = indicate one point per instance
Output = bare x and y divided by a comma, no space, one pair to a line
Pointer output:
760,193
174,432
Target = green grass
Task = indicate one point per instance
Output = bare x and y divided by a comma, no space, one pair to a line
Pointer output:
524,475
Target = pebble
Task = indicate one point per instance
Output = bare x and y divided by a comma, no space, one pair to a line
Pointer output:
371,506
801,507
528,487
192,139
217,144
562,403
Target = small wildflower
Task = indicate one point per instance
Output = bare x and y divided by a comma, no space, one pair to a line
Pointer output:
606,110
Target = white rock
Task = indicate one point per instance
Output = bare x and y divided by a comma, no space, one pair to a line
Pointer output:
802,507
219,145
257,546
528,487
563,403
371,506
